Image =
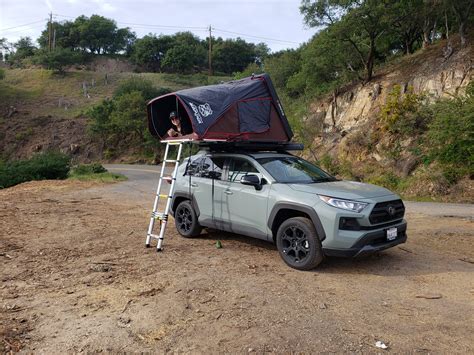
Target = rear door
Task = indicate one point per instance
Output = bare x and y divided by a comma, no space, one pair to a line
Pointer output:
243,208
203,174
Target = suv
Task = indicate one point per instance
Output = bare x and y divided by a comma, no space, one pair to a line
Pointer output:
284,199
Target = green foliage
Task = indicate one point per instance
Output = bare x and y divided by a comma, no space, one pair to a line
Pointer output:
329,164
24,48
84,169
450,135
97,34
50,165
251,69
145,87
94,172
58,59
283,65
2,73
150,50
233,55
403,112
120,122
387,179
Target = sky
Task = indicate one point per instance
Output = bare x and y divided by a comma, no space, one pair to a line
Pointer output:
275,22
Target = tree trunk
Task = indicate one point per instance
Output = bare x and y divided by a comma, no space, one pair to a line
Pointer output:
426,33
370,61
462,33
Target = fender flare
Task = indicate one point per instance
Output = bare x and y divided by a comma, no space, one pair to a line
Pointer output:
301,208
186,196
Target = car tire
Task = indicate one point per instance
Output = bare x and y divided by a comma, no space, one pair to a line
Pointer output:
298,244
186,220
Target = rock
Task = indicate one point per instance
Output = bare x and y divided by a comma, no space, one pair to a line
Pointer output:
74,148
323,306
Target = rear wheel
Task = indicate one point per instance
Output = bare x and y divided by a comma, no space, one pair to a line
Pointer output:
186,221
298,244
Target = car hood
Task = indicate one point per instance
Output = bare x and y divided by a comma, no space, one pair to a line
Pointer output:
350,190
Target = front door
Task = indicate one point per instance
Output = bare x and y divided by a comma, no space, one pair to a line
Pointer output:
243,208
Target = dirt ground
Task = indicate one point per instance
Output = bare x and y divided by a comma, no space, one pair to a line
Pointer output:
75,276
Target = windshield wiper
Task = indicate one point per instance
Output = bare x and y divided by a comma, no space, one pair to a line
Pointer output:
326,179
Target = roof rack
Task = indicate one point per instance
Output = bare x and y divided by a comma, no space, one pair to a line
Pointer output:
250,146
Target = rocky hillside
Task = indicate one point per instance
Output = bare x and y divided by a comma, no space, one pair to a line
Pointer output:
347,131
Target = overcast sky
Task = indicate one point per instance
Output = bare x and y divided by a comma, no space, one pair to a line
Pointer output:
277,22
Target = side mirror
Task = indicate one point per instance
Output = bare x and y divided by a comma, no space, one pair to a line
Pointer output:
252,180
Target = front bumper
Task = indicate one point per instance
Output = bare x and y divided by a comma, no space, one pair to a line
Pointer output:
370,243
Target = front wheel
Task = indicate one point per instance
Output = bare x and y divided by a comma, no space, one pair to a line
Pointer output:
298,244
186,221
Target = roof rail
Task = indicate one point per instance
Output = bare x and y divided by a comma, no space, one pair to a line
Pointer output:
250,146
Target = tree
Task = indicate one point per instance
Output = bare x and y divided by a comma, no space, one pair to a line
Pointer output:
407,25
97,34
233,55
150,51
357,22
179,59
463,10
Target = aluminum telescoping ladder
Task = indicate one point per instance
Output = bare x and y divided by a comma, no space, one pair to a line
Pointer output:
163,216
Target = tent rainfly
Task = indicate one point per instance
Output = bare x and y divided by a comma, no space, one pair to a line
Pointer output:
241,110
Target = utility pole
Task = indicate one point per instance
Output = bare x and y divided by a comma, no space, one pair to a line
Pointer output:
50,30
54,40
210,50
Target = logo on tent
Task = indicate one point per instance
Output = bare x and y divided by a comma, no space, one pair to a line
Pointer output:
201,111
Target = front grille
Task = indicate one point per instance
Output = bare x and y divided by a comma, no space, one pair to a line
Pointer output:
387,211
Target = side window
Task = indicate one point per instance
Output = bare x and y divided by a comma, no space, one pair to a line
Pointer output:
240,167
206,167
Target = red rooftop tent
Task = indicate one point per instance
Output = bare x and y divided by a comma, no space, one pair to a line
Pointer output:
241,110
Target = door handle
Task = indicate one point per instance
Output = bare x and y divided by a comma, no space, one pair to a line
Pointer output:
193,184
228,192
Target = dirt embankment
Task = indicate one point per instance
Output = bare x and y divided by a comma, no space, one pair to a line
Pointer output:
76,277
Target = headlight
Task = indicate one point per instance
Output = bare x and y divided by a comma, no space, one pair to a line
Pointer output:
354,206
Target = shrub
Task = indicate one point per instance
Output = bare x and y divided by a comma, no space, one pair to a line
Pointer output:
57,59
49,165
2,73
144,86
86,169
450,136
403,113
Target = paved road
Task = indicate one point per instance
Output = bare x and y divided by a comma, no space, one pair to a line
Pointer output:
142,181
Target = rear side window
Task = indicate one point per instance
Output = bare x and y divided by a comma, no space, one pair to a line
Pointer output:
206,167
239,168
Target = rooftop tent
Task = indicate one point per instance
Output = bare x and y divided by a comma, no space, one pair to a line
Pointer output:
241,110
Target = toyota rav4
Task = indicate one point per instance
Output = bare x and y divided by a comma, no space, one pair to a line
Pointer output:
284,199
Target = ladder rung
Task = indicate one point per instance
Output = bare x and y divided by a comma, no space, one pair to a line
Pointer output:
168,178
164,196
171,161
154,236
160,216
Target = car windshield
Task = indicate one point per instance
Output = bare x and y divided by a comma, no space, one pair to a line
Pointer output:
294,170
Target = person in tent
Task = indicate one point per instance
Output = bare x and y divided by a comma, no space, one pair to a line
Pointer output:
176,130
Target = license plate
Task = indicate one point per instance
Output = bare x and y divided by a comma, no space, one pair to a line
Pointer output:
392,233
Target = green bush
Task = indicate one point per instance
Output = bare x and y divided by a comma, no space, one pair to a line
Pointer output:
450,136
49,165
403,112
144,86
2,73
86,169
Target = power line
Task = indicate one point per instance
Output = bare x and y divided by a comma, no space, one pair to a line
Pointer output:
142,25
252,36
26,24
